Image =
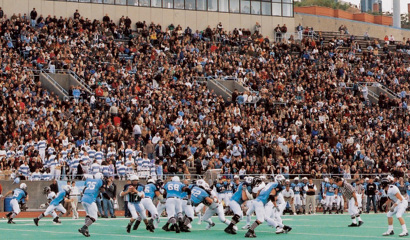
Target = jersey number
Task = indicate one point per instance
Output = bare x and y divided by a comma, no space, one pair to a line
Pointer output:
16,194
195,192
173,187
91,185
146,190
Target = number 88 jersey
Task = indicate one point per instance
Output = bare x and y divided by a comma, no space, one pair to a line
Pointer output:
174,189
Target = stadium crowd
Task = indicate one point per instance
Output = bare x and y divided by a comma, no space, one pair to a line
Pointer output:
150,111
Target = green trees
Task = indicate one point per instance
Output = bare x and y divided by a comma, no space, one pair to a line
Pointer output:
323,3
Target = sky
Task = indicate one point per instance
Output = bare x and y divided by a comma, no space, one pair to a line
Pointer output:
387,5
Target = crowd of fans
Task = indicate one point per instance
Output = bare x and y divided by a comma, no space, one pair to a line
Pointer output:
149,112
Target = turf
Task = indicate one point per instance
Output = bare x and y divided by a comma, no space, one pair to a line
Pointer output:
317,227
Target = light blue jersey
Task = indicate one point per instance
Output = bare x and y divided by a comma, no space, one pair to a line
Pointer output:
265,192
184,195
330,189
19,194
59,198
297,188
407,184
92,189
174,189
150,190
198,195
237,196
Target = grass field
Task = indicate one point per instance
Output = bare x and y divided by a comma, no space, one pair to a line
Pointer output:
317,227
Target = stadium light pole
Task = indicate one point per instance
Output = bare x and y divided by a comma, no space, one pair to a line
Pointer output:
396,14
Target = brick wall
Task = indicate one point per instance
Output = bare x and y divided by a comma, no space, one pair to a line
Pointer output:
362,17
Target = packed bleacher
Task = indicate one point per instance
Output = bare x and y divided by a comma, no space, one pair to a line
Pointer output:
150,113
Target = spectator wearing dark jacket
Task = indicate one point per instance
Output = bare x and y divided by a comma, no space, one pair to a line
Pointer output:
109,197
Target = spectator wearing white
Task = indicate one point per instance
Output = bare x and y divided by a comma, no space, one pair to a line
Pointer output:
237,150
91,153
51,164
137,131
129,164
289,195
95,168
36,176
121,170
42,145
73,163
85,158
99,155
24,170
74,194
156,138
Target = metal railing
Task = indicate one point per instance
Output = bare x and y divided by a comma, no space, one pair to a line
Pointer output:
54,82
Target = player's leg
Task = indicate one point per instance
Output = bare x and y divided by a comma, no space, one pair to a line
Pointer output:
62,211
342,204
238,214
16,210
207,217
141,211
198,210
171,211
401,209
134,217
91,211
49,210
149,205
249,212
260,218
189,215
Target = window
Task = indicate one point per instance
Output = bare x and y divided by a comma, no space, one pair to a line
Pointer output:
96,1
108,1
276,9
223,5
213,5
245,7
234,6
179,4
144,3
121,2
168,4
83,1
201,5
156,3
256,7
266,8
190,4
287,10
132,2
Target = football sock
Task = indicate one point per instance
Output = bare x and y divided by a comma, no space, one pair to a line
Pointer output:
41,216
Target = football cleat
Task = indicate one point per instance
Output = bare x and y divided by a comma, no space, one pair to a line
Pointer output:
287,229
177,230
247,226
165,228
230,230
56,220
388,233
210,225
404,233
84,231
279,230
353,225
128,228
360,223
36,221
136,224
250,234
11,221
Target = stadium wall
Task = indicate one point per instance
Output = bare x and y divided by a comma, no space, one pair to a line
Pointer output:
196,20
326,23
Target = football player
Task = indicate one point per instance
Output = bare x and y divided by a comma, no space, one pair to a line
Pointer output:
151,191
240,196
398,208
92,188
173,192
266,194
329,196
297,188
56,204
187,208
135,192
19,195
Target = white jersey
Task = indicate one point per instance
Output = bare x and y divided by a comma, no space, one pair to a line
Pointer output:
391,193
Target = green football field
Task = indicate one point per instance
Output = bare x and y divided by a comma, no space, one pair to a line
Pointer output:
315,227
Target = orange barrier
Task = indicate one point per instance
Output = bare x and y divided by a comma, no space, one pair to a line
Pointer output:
337,13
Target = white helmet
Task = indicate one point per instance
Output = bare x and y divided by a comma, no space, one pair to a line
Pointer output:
98,176
134,177
296,179
326,179
151,181
201,183
175,179
67,188
236,177
390,178
279,178
305,178
23,186
249,180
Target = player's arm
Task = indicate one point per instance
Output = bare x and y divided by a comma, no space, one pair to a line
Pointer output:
8,193
244,195
324,192
159,195
125,192
400,199
336,192
356,202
